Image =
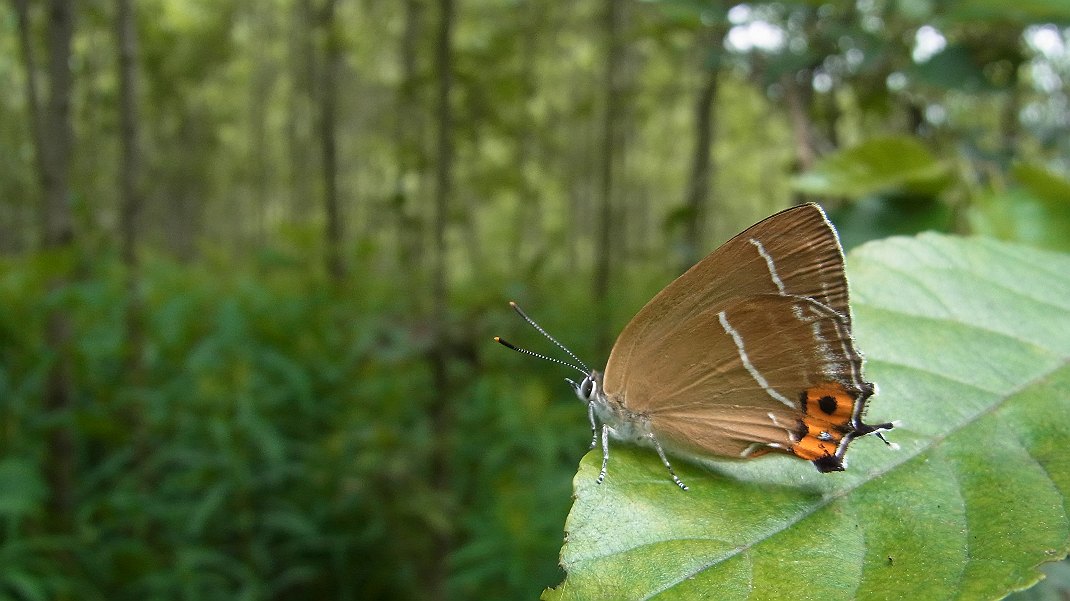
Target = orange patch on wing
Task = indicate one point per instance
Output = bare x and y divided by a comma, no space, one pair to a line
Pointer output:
812,448
828,408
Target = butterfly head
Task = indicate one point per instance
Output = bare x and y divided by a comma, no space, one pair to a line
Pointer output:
590,388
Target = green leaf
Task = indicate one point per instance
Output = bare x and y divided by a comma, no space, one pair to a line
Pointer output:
22,489
956,67
899,166
1036,212
1043,183
1001,11
875,217
969,341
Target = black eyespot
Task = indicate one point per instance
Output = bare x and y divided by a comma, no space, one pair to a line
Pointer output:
587,388
827,404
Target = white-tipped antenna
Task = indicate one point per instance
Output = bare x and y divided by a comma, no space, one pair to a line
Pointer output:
525,351
586,370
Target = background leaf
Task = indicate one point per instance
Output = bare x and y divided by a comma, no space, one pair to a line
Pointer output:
969,341
21,488
873,218
1036,210
996,10
893,165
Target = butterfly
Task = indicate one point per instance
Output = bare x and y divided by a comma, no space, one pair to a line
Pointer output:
749,352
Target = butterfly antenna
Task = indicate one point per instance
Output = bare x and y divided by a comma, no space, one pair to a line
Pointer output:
525,351
531,321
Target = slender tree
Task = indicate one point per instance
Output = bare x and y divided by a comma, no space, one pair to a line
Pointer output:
702,169
261,83
130,190
54,138
332,71
442,410
611,107
409,128
302,66
33,94
527,218
798,97
131,200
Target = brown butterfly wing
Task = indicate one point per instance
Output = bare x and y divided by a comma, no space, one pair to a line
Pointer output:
750,375
794,252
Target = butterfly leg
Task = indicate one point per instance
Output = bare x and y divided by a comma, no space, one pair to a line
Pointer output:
605,453
665,460
594,425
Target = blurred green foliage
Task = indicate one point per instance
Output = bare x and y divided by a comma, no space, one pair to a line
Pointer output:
275,445
273,436
1033,207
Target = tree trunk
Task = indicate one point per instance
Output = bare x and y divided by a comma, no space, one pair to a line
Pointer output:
59,137
33,95
132,199
299,126
59,234
527,219
797,98
54,138
409,147
262,82
441,407
604,247
329,143
130,192
698,188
